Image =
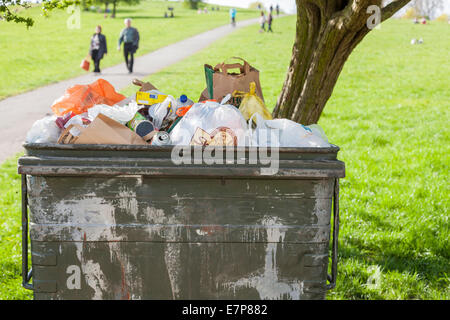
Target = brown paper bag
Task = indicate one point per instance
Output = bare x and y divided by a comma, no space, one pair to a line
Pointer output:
145,86
220,82
103,130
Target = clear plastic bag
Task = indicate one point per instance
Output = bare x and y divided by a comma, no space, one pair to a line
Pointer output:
210,123
286,133
160,111
44,131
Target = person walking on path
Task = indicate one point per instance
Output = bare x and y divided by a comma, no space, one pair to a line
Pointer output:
130,38
233,16
269,22
262,22
97,48
277,8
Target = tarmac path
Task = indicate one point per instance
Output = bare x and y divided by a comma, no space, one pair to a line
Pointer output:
21,111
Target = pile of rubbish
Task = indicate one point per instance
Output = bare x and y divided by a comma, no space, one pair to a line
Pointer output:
229,112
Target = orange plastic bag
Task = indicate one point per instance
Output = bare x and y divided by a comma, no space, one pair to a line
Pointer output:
79,98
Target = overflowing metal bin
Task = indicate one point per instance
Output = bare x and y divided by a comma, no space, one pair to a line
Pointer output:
125,222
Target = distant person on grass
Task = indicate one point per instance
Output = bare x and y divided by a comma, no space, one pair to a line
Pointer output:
98,48
269,22
278,9
262,22
130,38
233,16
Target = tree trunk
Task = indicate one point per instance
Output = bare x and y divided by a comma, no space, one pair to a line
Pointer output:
106,7
113,15
327,32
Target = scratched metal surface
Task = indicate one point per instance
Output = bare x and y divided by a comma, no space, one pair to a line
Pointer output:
117,235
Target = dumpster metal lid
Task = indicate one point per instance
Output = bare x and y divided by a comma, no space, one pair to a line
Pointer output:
113,160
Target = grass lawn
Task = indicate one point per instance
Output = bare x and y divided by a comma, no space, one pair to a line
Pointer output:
389,114
50,51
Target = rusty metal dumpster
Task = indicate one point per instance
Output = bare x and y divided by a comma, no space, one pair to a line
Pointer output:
125,222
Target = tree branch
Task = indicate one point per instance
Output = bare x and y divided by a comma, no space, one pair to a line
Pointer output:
389,10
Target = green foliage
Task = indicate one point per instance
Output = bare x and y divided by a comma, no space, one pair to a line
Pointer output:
10,15
8,12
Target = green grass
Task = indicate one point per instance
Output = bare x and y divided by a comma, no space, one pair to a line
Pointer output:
389,115
50,51
10,233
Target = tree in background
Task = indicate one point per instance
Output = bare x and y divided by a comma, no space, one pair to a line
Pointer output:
116,2
411,13
254,5
427,8
104,2
327,32
192,4
442,18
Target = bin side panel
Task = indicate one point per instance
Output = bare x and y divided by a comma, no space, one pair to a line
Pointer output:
145,270
136,200
134,237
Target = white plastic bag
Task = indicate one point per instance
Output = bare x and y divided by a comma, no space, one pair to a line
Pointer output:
286,133
210,118
78,119
126,101
44,131
120,114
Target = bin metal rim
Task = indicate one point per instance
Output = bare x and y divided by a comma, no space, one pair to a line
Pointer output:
129,147
57,159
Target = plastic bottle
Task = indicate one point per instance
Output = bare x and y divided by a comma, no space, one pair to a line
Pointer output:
184,101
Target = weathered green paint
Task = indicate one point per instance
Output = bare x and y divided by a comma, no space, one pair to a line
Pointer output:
141,231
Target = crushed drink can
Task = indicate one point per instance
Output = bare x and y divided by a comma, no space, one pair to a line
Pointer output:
162,138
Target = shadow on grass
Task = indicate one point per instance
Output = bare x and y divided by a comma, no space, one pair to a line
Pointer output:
152,17
377,221
430,268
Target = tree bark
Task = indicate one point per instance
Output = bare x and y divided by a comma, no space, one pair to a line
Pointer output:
113,15
327,32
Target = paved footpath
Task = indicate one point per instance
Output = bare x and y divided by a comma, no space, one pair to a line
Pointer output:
18,113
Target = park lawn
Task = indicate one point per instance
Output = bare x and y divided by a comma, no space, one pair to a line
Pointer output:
389,116
50,51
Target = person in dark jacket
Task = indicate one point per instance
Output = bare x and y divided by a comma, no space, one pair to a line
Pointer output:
269,22
130,38
98,48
